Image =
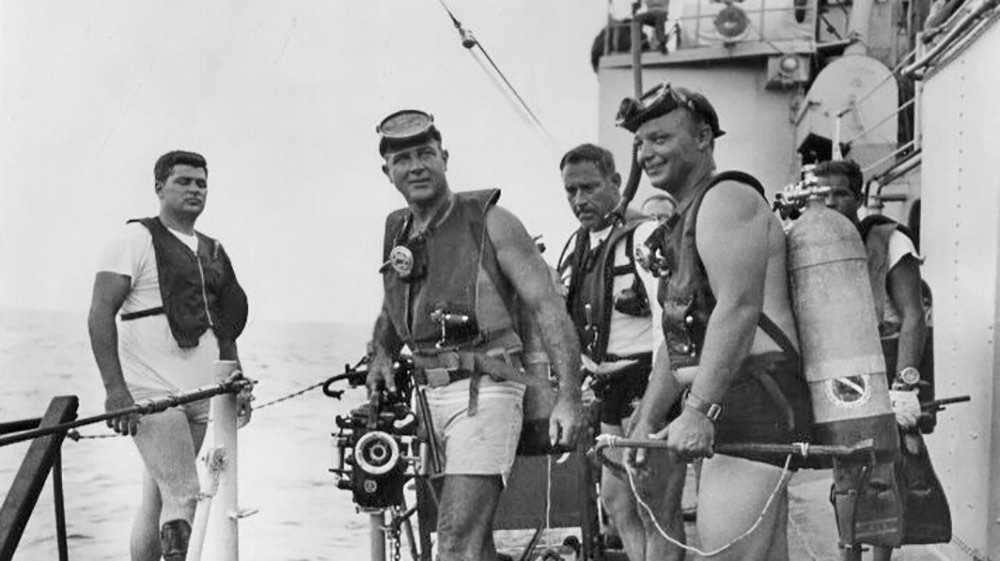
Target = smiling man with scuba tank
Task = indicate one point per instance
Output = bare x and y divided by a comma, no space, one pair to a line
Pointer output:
458,272
181,310
607,300
728,326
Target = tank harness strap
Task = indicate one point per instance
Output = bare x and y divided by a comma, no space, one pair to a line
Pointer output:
765,379
772,330
143,313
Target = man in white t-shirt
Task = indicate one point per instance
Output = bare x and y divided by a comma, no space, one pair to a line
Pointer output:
894,269
181,308
618,327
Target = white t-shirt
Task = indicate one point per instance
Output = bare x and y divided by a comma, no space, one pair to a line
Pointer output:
152,362
900,245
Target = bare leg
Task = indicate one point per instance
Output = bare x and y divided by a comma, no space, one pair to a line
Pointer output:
616,496
167,443
732,496
661,489
145,541
465,517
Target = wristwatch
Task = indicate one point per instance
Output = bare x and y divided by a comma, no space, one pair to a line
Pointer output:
909,376
711,410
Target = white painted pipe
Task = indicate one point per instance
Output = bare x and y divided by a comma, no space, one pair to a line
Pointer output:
224,517
376,522
208,475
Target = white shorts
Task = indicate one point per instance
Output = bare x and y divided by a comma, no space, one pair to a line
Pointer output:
485,443
154,365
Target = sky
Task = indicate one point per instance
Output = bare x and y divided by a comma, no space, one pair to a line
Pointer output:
282,98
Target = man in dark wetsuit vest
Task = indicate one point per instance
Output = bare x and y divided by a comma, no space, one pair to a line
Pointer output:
728,327
606,298
458,273
894,269
181,310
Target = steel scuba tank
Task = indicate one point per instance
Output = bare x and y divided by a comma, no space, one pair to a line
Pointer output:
838,331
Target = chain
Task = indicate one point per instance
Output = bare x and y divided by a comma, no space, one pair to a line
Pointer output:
76,436
290,396
392,532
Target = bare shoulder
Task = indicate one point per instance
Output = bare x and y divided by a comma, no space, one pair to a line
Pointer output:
504,228
733,199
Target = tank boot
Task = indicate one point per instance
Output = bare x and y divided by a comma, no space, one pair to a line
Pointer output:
174,538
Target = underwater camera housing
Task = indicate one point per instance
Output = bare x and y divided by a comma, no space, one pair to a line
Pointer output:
373,444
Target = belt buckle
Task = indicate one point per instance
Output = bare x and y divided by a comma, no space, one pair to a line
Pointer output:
437,377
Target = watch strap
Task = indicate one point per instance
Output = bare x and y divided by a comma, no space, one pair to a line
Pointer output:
711,410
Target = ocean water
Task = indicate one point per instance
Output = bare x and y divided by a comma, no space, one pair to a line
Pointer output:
284,453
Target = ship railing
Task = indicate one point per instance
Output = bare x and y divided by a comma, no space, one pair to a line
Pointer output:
932,47
964,22
44,456
905,114
758,30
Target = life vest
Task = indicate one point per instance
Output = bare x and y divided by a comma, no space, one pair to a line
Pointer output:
459,275
684,292
199,290
592,275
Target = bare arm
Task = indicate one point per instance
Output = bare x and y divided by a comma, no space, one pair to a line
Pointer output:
110,290
733,243
527,272
385,347
904,288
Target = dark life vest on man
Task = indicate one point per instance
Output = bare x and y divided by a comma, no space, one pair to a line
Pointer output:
199,290
592,276
449,256
684,292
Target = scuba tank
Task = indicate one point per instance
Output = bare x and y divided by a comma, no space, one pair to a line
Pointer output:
835,315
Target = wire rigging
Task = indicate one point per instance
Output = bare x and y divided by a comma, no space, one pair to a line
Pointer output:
493,71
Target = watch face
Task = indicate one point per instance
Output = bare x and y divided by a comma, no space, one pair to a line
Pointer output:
909,375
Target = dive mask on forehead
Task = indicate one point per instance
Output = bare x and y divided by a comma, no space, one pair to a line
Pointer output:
405,127
663,99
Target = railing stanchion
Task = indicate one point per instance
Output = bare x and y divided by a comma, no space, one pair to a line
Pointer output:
224,517
57,495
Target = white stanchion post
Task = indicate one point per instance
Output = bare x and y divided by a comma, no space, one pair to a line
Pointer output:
224,516
376,521
208,475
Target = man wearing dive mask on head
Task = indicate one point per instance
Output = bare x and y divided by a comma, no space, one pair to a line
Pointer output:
729,332
458,272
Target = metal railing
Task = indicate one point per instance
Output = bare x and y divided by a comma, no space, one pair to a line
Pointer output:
44,455
757,30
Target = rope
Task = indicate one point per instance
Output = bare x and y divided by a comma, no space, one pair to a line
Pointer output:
548,502
613,442
750,530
